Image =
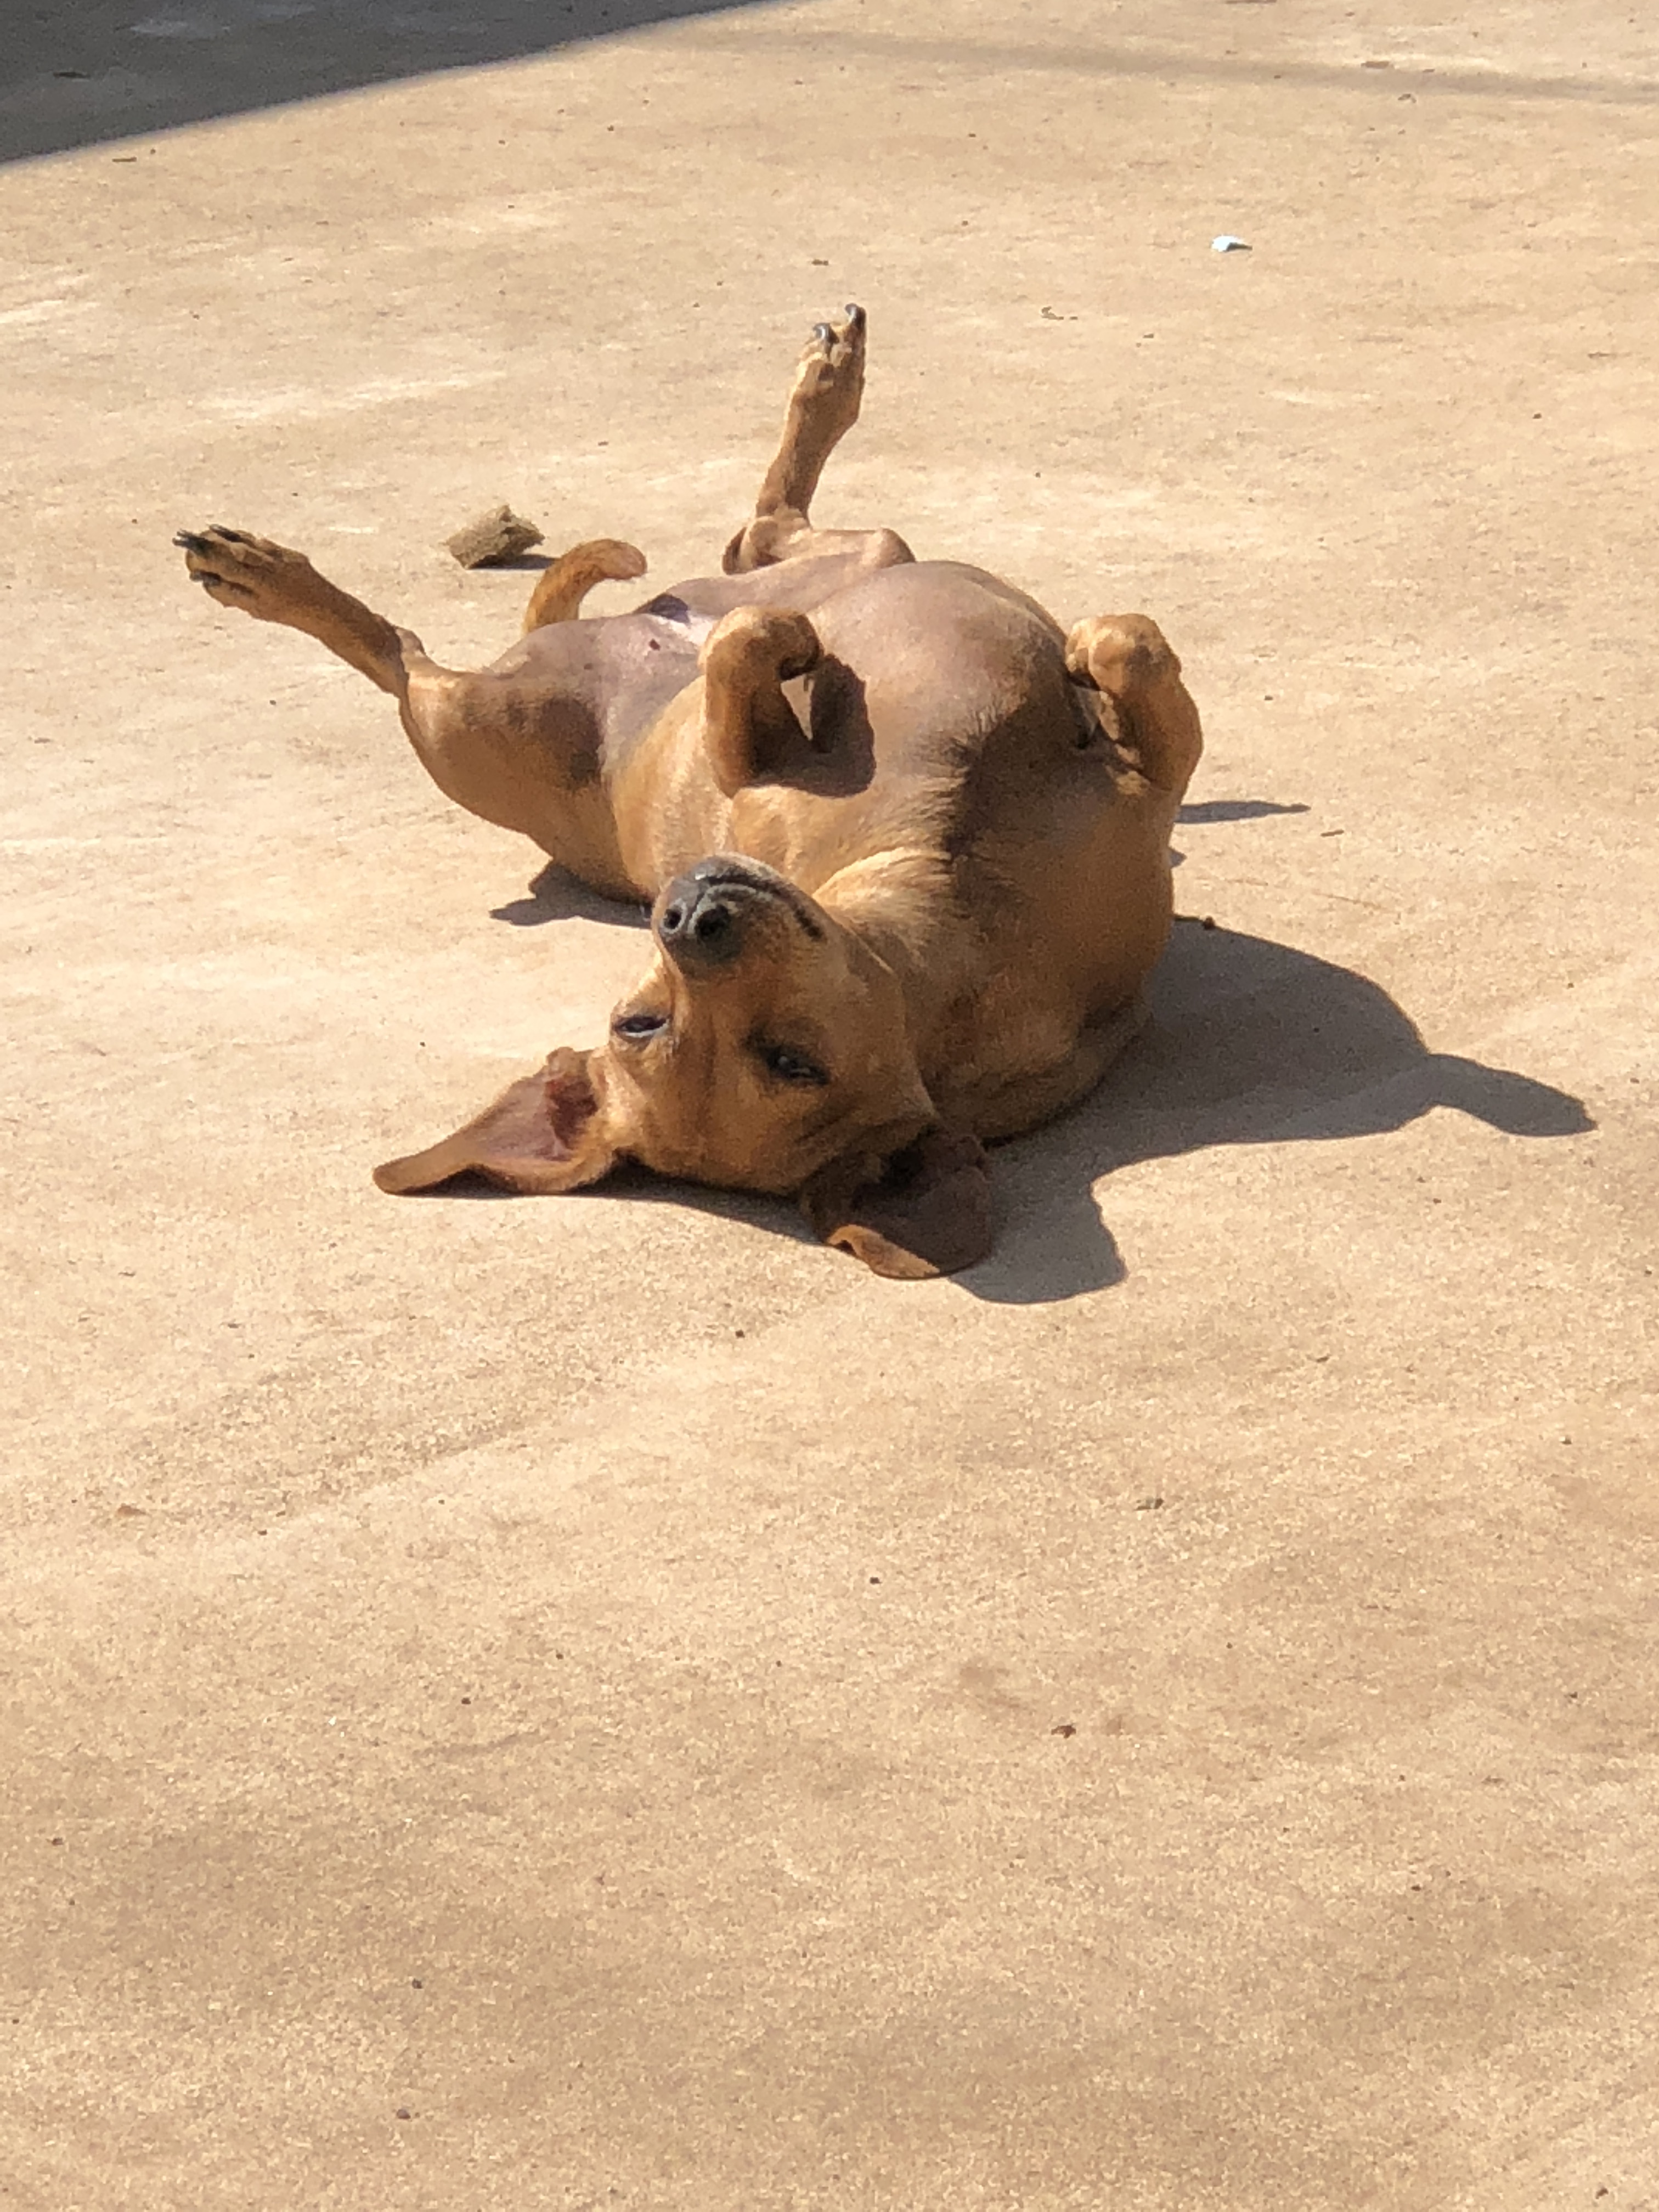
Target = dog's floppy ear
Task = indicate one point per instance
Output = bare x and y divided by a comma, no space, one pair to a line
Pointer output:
541,1135
925,1210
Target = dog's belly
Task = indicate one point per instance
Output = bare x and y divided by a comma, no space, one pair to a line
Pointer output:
625,668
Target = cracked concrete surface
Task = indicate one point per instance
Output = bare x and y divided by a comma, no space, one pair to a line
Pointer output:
599,1701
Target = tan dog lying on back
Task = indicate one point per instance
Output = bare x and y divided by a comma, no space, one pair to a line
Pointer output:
906,839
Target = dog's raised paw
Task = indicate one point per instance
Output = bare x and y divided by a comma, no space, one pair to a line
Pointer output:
240,570
830,377
839,343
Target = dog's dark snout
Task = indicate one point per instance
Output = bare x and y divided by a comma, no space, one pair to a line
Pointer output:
701,922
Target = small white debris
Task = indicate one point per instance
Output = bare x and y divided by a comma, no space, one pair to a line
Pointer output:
1227,244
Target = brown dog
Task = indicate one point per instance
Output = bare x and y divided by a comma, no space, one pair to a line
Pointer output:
907,843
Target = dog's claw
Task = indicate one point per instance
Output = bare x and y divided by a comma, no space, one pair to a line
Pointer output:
190,541
855,316
823,331
236,537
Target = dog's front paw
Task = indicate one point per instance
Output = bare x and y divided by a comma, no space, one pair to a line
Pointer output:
1120,655
266,580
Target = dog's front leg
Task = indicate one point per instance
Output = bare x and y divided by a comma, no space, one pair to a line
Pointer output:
1018,1102
1128,659
749,726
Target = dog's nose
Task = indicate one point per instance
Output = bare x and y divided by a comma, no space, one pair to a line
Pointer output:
700,924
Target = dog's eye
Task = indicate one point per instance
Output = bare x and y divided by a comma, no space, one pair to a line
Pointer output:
790,1065
639,1026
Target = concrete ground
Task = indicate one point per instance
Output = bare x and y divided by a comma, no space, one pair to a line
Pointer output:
600,1702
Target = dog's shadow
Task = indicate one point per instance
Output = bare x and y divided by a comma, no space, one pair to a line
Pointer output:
553,896
1250,1042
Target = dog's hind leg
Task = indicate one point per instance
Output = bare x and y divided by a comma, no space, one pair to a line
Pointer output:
824,405
518,746
274,584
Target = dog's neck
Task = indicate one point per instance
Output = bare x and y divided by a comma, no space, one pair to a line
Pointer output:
901,903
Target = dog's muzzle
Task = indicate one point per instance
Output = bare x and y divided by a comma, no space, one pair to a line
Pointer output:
703,917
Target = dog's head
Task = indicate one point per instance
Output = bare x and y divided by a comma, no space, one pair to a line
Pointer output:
765,1049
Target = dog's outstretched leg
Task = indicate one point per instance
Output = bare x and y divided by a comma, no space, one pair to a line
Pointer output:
1128,659
824,405
274,584
518,748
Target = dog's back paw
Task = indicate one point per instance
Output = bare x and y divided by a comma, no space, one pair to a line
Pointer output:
270,581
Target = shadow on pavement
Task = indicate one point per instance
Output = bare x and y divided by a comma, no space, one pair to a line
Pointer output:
1236,809
1251,1042
113,69
110,68
553,896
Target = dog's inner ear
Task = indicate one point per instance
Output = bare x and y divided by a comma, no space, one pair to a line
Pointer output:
925,1210
541,1135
